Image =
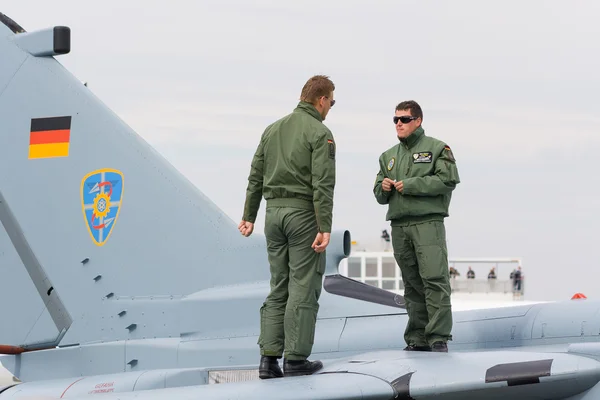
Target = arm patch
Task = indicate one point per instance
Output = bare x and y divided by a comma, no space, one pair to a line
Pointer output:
448,153
331,148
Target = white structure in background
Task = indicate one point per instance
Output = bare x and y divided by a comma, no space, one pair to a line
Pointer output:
381,270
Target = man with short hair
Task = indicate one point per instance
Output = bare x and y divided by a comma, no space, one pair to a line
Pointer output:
416,178
294,169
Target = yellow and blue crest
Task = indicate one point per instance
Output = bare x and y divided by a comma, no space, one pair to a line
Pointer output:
391,164
101,196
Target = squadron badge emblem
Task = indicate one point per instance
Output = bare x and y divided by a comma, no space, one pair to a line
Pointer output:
391,164
101,195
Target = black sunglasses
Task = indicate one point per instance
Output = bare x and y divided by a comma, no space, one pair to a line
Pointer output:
405,119
332,102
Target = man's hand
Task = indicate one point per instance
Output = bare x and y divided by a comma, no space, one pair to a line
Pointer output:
387,184
246,228
399,186
321,242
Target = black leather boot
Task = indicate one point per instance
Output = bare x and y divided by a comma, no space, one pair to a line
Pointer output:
412,347
439,347
301,367
269,368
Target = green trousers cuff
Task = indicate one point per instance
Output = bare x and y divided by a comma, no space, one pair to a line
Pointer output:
270,353
294,357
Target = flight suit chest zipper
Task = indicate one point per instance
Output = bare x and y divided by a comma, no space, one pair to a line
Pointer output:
397,170
404,166
407,160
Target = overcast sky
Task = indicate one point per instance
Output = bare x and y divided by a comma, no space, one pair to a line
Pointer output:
511,86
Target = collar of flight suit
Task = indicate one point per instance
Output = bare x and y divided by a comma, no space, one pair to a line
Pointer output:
309,109
413,138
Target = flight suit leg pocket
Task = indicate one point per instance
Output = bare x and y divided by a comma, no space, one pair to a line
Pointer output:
431,252
432,262
321,261
306,317
441,232
262,325
403,248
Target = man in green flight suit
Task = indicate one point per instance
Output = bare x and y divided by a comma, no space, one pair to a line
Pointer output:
416,178
294,169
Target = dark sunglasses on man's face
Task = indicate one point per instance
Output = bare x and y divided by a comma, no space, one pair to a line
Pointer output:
405,119
331,102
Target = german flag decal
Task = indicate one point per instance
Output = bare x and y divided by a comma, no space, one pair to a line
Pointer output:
49,137
331,148
449,154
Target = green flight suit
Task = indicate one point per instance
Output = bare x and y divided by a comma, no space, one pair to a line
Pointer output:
428,169
294,169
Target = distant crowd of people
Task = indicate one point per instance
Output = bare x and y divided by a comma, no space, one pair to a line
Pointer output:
516,276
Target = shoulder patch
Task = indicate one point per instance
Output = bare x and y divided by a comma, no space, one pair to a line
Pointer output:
448,153
422,157
391,164
331,148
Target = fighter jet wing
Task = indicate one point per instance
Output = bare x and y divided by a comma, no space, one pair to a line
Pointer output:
476,375
411,375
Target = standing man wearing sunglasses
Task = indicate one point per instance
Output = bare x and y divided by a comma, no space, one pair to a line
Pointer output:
294,169
416,178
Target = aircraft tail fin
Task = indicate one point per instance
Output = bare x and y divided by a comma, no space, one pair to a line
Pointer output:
94,212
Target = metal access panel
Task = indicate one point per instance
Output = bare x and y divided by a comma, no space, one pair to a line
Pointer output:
151,354
103,358
66,362
578,322
388,329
